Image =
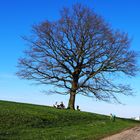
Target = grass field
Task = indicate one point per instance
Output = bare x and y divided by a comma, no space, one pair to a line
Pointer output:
20,121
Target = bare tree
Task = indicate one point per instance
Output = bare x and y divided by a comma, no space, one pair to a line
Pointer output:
79,54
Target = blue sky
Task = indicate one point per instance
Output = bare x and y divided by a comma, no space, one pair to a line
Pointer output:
16,19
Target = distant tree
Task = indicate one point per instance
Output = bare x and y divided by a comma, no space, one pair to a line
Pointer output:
79,54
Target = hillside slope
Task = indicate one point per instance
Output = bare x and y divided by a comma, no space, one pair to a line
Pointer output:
20,121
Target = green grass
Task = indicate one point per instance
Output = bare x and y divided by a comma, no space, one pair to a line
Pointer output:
20,121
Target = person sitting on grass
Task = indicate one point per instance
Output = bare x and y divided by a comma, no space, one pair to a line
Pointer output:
55,105
78,108
62,106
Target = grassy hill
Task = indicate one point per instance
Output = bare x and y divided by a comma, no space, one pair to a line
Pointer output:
20,121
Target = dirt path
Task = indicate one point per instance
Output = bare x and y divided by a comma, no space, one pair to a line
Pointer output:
131,134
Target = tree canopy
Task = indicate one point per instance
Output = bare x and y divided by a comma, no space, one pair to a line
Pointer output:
79,53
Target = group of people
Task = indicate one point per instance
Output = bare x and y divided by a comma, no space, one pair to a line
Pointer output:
62,106
59,106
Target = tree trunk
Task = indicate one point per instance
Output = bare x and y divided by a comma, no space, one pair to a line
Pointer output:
71,104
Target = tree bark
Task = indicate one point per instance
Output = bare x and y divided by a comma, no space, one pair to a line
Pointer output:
71,104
